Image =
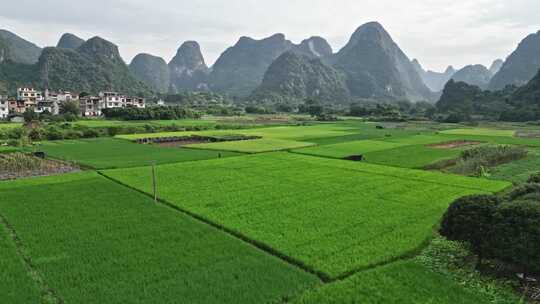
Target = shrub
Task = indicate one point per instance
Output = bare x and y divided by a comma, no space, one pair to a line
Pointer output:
36,134
534,178
475,161
517,226
527,191
469,220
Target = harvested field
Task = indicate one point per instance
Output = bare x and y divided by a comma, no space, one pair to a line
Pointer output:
21,165
455,144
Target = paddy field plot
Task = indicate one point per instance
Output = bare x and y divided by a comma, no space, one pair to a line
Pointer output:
16,285
332,216
95,241
480,131
297,133
253,145
351,148
401,282
117,153
415,156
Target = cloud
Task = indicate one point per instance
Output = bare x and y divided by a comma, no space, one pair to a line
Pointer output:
437,32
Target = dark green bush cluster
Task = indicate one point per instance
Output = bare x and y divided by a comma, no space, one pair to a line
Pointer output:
503,228
153,113
475,161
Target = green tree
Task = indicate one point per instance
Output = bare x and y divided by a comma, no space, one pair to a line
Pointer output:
30,115
469,220
70,107
517,227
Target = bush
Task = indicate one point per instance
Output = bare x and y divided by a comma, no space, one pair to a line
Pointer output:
534,178
517,226
36,134
475,161
469,220
528,191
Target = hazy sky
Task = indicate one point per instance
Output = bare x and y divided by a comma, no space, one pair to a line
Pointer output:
437,32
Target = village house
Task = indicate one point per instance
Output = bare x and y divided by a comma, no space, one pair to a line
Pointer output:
94,106
4,107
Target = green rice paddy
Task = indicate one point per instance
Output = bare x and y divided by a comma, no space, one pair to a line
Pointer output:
334,217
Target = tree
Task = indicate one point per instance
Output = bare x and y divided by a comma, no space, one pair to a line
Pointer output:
30,115
517,227
469,219
70,107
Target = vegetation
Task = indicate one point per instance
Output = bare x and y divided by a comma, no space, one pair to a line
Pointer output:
281,194
477,161
346,149
154,113
117,153
93,240
503,229
253,145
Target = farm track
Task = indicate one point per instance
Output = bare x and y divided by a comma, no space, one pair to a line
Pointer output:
48,295
323,277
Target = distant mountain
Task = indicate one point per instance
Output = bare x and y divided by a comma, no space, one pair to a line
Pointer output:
377,68
496,66
316,47
5,53
458,96
477,75
188,70
151,70
94,66
521,66
241,68
528,94
22,51
70,41
294,77
435,81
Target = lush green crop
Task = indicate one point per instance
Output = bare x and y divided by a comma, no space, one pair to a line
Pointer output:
16,284
117,153
299,133
333,216
481,132
95,241
345,149
417,156
402,282
253,146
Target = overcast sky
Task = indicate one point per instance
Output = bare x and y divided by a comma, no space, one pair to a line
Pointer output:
437,32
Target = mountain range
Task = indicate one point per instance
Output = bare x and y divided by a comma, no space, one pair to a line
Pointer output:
371,66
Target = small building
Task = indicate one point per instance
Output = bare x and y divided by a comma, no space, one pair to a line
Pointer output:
135,102
4,107
91,106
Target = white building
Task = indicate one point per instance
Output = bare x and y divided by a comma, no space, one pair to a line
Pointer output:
55,99
4,107
94,106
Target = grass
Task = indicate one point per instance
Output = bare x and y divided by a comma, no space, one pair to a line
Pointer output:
117,153
415,156
332,216
346,149
481,132
94,241
9,125
402,282
253,146
17,285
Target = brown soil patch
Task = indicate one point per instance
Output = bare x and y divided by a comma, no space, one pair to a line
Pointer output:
455,144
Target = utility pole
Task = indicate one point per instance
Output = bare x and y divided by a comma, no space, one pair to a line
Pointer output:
154,183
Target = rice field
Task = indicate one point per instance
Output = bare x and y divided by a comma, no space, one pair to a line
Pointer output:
415,156
95,241
346,149
117,153
253,146
401,282
333,217
480,132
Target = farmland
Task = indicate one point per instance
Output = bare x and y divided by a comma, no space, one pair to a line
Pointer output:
282,218
282,201
116,153
84,230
